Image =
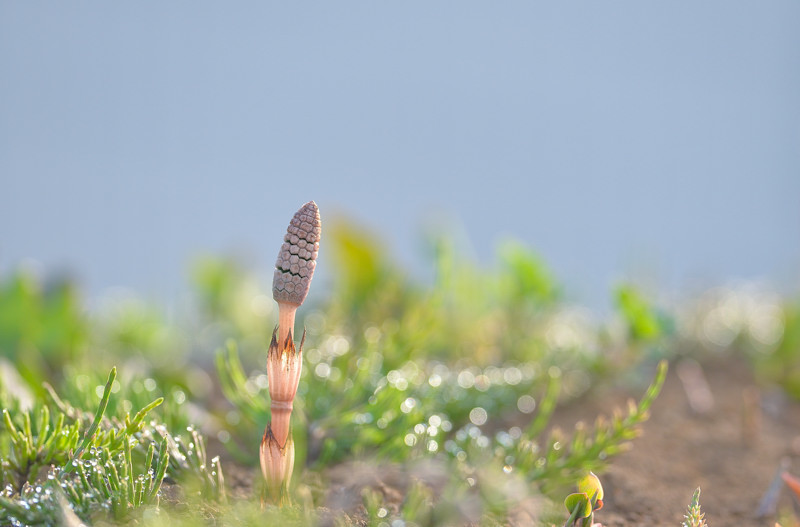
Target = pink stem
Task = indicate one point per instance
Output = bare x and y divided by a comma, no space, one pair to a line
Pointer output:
286,313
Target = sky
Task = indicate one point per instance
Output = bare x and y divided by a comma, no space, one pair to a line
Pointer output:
619,140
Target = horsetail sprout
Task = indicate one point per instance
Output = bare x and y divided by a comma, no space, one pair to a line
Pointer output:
294,270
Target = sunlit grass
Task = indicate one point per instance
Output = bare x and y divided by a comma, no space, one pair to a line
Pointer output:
445,388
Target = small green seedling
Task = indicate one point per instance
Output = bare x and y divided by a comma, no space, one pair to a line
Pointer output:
583,504
579,507
694,517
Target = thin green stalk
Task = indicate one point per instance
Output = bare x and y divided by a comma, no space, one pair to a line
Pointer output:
98,416
546,408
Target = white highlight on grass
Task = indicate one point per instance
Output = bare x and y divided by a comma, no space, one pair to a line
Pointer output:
526,404
478,416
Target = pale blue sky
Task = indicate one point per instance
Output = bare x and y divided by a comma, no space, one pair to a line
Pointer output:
613,137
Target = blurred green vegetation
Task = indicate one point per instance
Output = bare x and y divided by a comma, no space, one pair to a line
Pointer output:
461,373
42,326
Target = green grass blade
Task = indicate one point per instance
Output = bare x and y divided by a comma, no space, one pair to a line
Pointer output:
98,416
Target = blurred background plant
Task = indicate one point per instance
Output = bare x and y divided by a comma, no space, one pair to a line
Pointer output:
462,372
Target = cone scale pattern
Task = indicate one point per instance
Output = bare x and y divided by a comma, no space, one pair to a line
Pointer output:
297,258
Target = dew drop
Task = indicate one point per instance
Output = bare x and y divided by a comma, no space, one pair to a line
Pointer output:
478,416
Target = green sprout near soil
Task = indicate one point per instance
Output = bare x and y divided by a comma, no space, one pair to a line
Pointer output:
583,504
694,517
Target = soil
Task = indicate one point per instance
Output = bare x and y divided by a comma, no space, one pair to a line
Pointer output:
731,449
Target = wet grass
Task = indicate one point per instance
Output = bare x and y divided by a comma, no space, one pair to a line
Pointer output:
449,386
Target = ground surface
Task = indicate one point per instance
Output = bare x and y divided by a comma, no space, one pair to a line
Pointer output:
731,451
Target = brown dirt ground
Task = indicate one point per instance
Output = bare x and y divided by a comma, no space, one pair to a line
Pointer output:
731,453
